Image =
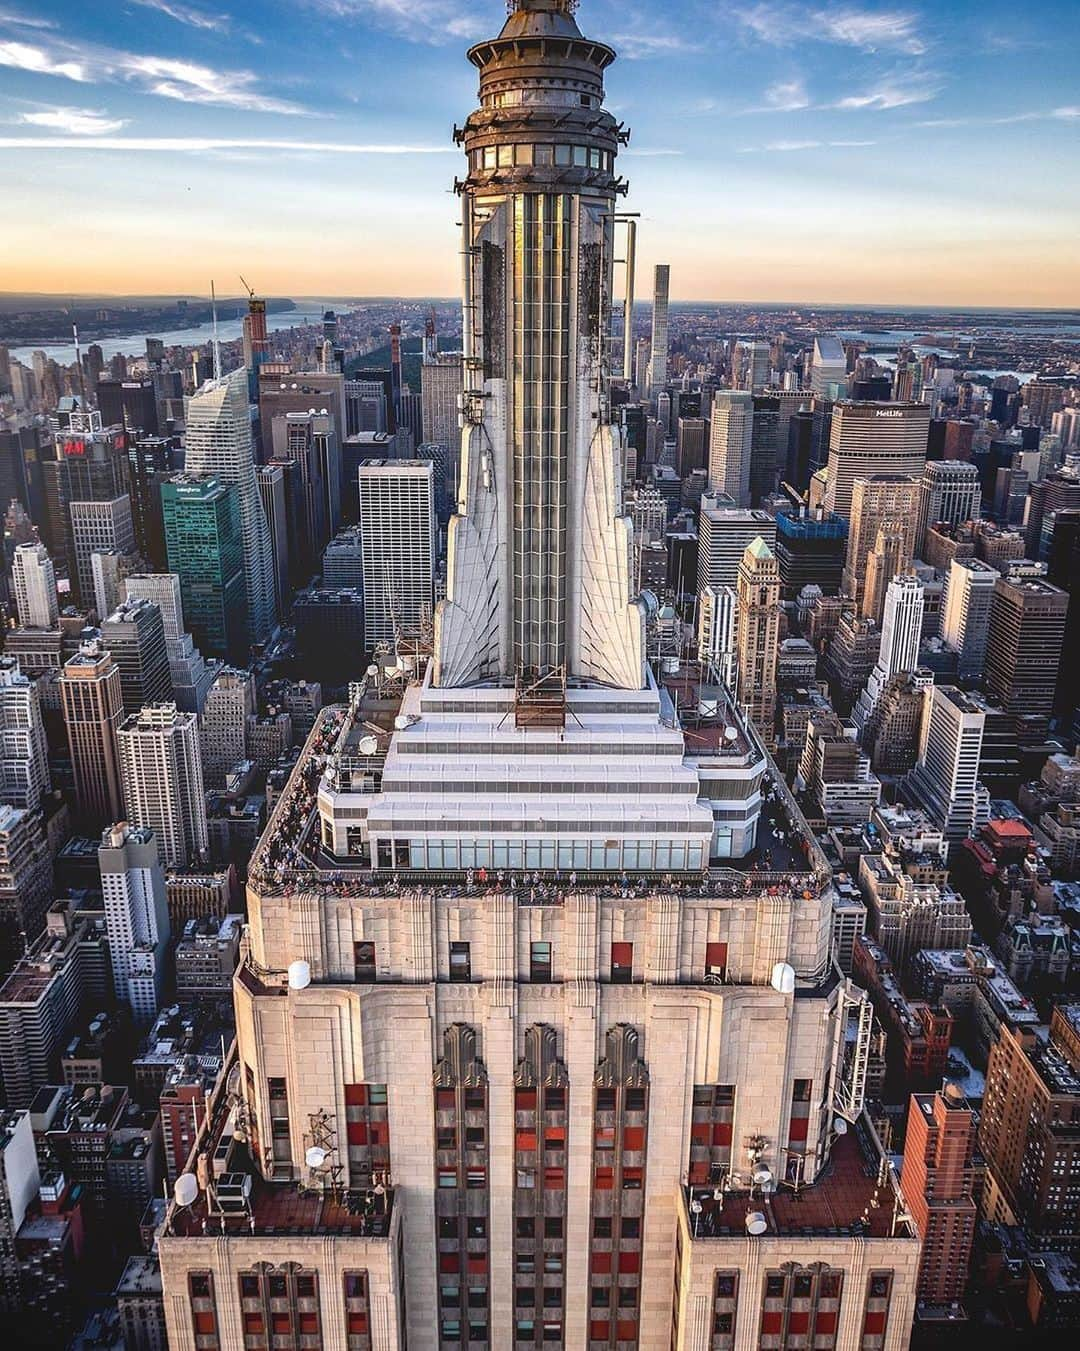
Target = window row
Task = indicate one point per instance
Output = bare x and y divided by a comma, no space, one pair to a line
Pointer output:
527,155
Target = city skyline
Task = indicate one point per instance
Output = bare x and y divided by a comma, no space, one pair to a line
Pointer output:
804,140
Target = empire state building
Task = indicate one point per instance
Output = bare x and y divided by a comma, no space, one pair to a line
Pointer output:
542,1039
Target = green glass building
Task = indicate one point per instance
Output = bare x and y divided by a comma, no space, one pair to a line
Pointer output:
205,550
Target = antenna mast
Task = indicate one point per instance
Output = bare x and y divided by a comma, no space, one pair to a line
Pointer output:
216,343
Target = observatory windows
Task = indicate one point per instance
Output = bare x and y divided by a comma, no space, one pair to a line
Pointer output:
622,963
460,963
364,972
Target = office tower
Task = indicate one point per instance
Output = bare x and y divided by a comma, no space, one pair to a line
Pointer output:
397,531
149,466
1042,399
945,780
870,439
754,358
723,536
835,772
26,882
691,453
901,634
950,491
1032,1092
810,548
642,353
476,1099
98,527
271,480
888,502
229,705
730,439
42,999
658,346
965,618
891,735
189,674
294,444
135,636
218,442
91,697
204,544
19,456
757,627
35,587
131,404
365,407
324,392
1023,651
1064,571
89,465
912,907
109,569
442,384
343,560
828,372
136,917
162,778
941,1183
330,631
885,561
717,613
24,752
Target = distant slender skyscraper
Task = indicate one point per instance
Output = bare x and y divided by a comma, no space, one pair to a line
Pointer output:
901,633
35,587
397,531
136,917
758,636
162,779
218,441
658,365
730,440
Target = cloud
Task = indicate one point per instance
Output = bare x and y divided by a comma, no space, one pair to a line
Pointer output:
434,22
207,144
895,92
788,147
165,77
787,96
185,14
644,46
74,121
783,24
15,20
1066,114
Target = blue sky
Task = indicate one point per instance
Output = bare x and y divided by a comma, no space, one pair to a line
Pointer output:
833,152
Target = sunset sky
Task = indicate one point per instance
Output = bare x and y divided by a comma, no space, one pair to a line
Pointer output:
916,154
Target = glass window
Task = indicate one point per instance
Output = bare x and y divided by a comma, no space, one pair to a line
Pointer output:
489,157
540,962
506,156
544,155
563,154
581,156
460,963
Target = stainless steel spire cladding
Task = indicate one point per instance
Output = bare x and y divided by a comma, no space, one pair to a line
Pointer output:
539,577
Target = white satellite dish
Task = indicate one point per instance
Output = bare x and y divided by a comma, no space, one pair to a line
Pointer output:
695,1207
839,1126
299,975
368,745
186,1189
783,978
756,1224
718,1194
731,734
373,671
315,1157
762,1177
402,722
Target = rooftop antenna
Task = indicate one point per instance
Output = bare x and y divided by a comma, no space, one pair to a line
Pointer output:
78,363
217,344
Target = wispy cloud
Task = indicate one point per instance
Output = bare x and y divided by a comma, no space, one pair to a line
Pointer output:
1065,114
206,144
783,24
787,96
435,22
789,147
644,46
165,77
15,20
892,92
74,121
187,14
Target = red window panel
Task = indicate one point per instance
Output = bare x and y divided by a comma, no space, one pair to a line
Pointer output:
449,1262
715,956
825,1324
629,1262
599,1330
605,1179
379,1132
253,1323
626,1329
525,1099
721,1133
772,1323
701,1134
632,1177
600,1263
526,1140
555,1137
634,1137
357,1324
800,1128
356,1095
476,1266
357,1133
309,1322
799,1322
282,1324
205,1323
874,1323
445,1099
555,1179
699,1174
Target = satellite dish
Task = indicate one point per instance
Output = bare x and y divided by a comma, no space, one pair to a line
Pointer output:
756,1224
315,1157
299,975
718,1194
839,1126
783,978
186,1189
368,745
762,1177
695,1207
731,734
373,671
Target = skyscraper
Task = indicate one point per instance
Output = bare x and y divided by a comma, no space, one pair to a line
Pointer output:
99,527
658,358
35,587
730,440
441,386
723,536
901,633
758,636
828,372
397,532
204,543
136,917
1023,651
951,491
945,780
24,752
218,442
135,635
190,675
93,705
162,778
717,613
965,616
229,704
555,1108
888,502
868,439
